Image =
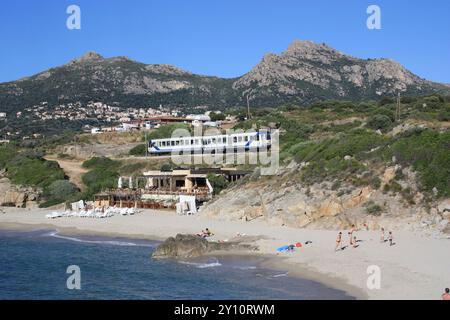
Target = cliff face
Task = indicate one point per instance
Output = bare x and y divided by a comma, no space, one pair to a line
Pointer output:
19,197
279,200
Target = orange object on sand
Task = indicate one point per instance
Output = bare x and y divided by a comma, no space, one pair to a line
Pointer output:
298,245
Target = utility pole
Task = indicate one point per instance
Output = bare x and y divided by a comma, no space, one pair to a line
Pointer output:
397,111
146,144
248,108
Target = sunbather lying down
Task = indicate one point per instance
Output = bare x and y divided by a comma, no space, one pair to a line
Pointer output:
205,233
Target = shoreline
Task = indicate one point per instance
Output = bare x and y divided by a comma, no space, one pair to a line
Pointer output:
269,261
310,262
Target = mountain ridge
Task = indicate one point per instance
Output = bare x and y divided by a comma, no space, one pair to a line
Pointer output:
305,72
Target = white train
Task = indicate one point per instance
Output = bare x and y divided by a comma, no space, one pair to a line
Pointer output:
236,142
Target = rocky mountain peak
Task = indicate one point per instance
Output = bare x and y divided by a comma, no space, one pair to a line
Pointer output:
304,73
306,47
89,57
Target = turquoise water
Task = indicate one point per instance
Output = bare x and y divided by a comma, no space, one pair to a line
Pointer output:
33,266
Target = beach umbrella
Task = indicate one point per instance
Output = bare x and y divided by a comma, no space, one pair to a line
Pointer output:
119,183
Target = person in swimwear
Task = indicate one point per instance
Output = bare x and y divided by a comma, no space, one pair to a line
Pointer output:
446,294
382,235
338,241
350,234
391,238
354,242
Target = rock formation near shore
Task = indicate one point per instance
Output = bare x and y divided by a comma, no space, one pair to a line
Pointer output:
17,196
281,201
191,246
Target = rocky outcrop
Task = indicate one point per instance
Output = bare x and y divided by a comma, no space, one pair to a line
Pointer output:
307,67
282,201
19,197
191,246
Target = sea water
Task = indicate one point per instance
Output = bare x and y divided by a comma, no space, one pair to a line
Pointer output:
33,265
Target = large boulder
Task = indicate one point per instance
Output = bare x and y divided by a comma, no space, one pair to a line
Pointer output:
17,196
444,206
191,246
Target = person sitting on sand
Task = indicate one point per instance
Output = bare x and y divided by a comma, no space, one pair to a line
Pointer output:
382,235
338,242
350,234
446,294
205,233
391,239
354,242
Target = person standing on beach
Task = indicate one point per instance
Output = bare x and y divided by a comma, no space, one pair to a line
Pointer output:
382,235
350,234
338,241
446,294
391,238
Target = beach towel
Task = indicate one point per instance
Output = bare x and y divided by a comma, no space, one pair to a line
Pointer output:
283,248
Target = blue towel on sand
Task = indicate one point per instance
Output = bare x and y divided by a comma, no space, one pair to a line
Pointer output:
283,248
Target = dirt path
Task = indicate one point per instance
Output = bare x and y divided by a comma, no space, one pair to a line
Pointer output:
72,169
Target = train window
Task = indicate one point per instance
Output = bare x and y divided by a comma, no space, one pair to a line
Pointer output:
172,143
163,143
235,139
224,139
240,139
182,142
246,138
213,140
192,141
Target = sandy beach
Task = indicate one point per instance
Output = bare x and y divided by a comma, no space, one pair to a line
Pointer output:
416,267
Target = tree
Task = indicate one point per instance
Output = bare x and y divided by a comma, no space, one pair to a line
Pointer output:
218,182
379,122
215,116
60,190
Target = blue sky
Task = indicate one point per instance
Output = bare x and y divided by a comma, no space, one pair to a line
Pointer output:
221,37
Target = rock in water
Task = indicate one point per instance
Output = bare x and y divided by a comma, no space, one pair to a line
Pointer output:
182,246
191,246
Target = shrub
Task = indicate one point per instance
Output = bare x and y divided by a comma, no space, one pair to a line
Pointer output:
34,172
138,150
379,122
428,152
373,208
392,187
166,166
100,162
218,182
165,131
60,190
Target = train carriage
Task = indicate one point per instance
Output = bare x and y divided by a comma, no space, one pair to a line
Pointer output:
237,142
